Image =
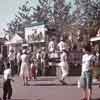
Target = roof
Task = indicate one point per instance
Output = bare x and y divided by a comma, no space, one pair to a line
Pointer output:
16,39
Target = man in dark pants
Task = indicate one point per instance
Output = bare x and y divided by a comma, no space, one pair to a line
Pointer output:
7,87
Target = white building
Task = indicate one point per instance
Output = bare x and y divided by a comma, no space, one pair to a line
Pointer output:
35,34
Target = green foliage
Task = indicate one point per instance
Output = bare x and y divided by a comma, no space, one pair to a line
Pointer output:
22,19
54,13
88,15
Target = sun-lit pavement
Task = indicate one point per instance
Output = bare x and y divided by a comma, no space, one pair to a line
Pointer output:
48,88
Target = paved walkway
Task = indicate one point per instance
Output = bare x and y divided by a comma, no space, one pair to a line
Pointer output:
49,88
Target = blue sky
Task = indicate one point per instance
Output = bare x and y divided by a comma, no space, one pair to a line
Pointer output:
8,9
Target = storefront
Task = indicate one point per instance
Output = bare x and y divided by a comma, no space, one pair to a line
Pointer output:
36,35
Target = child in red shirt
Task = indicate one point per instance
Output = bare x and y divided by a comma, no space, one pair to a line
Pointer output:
33,70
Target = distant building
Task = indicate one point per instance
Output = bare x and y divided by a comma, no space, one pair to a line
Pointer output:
35,36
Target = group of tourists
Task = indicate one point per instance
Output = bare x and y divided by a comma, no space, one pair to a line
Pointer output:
26,70
90,63
28,67
24,65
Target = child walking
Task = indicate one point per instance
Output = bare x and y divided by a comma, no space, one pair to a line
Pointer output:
33,70
7,87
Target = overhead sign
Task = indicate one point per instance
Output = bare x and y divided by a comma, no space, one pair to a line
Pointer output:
35,33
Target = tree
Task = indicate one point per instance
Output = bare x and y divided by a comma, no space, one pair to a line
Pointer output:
61,14
24,14
11,28
55,13
22,19
88,15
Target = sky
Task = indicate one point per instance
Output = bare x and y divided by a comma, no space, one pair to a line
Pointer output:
8,9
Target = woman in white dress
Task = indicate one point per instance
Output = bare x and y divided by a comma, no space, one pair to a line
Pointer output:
25,68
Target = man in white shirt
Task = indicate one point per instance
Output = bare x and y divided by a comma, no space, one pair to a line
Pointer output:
61,45
63,66
7,87
88,61
51,46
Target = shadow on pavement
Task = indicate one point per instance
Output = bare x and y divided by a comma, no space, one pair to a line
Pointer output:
53,84
27,99
72,84
96,99
44,80
45,84
21,99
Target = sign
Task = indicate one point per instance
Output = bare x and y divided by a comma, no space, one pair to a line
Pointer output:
35,33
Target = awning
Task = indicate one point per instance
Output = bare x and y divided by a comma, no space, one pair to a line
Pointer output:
97,38
15,40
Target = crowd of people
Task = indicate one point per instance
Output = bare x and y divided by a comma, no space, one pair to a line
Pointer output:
28,65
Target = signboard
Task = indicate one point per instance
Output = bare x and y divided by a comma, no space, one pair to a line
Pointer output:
35,33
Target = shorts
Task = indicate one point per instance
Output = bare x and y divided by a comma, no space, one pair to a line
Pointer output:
86,80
